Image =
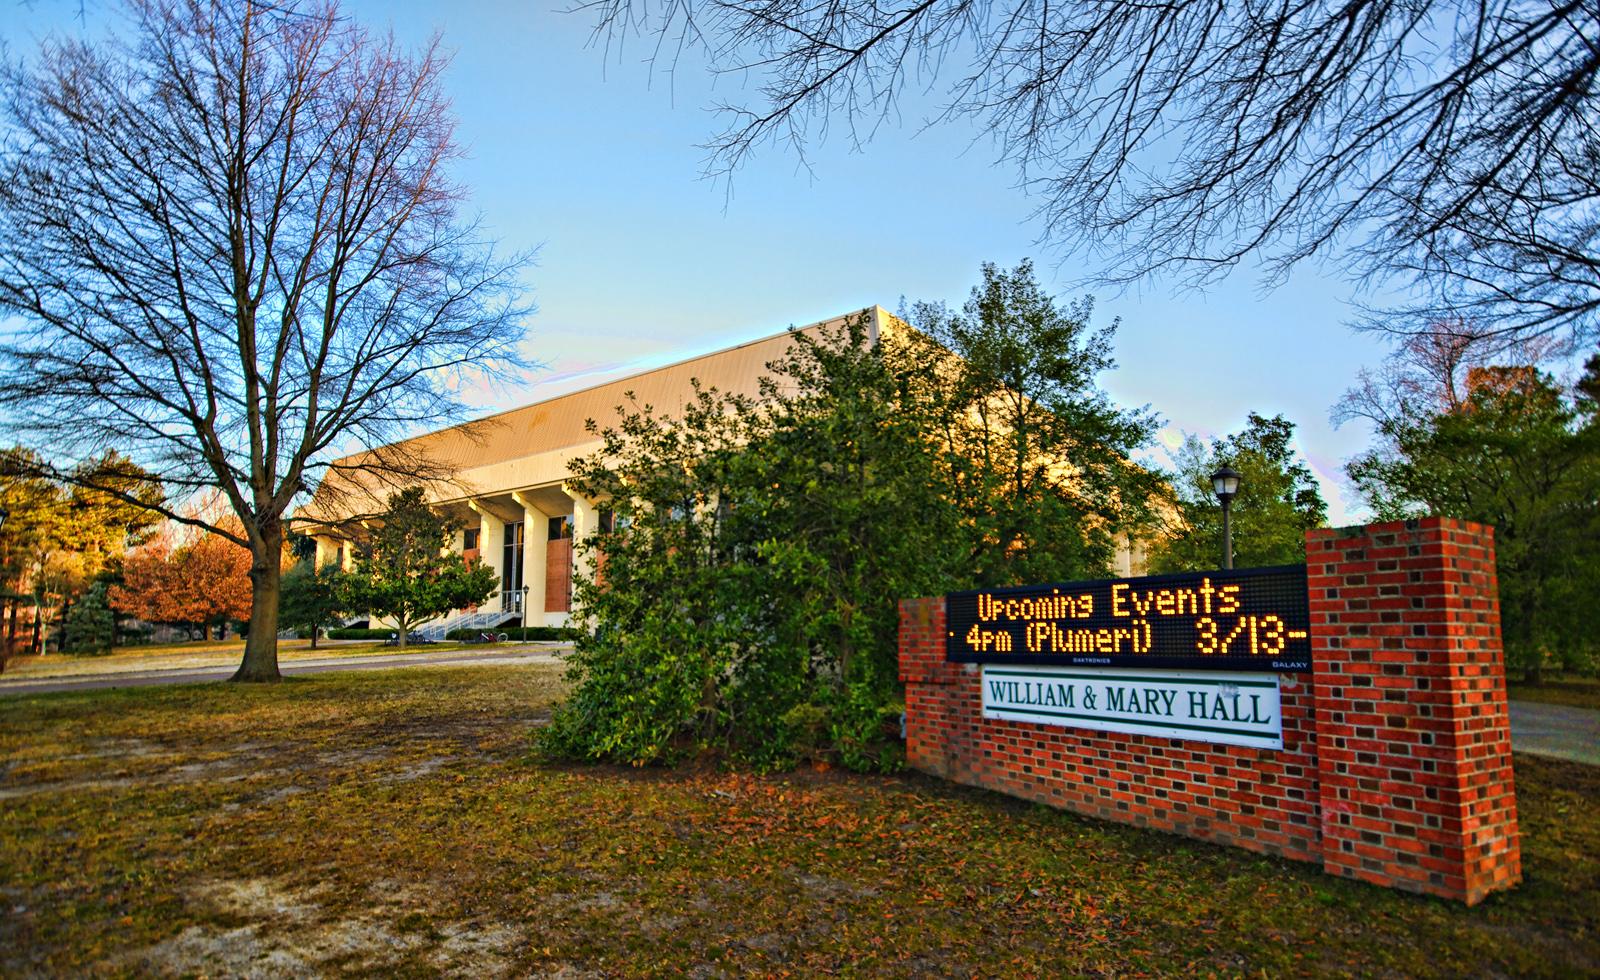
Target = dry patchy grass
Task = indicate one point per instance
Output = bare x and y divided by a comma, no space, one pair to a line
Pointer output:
392,822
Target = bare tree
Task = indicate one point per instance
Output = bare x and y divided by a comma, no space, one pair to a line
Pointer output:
1431,371
1450,141
1425,373
230,248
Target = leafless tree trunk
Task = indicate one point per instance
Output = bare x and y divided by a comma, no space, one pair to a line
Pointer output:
234,252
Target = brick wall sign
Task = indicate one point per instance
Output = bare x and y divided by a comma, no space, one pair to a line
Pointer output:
1350,712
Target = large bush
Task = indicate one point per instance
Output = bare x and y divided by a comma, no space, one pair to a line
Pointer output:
749,594
748,600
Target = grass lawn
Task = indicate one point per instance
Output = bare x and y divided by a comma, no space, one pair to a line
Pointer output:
391,822
1576,692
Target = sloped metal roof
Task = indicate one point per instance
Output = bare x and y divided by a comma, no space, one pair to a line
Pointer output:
559,423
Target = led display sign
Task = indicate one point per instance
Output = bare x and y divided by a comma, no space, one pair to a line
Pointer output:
1247,619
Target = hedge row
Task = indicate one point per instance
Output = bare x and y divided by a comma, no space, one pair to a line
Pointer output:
510,633
518,633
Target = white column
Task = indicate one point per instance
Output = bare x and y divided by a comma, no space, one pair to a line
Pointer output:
327,550
535,539
585,523
373,620
491,547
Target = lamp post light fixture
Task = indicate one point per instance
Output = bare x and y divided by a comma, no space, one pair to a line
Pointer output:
1225,483
525,590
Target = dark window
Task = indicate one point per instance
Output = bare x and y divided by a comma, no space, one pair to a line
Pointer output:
560,528
608,520
469,539
511,567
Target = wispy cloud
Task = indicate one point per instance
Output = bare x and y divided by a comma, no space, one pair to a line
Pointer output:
572,371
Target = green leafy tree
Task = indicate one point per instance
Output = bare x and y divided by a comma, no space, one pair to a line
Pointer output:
406,570
1520,452
314,598
63,534
747,604
848,507
33,506
1278,501
1039,457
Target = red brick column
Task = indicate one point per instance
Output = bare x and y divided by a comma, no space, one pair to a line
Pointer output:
1413,734
939,718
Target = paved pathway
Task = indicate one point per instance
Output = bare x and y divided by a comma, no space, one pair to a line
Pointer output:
191,675
1556,730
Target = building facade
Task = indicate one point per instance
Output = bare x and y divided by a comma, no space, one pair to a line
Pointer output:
512,494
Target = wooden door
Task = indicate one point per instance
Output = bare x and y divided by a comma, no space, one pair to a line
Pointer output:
558,576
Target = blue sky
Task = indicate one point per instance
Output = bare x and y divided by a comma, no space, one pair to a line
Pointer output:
594,160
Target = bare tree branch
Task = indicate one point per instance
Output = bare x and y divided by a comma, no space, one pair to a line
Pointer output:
1452,145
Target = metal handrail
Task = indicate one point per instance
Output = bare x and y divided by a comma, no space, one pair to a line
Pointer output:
510,604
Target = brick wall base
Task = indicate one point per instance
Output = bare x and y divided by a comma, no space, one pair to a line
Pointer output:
1396,759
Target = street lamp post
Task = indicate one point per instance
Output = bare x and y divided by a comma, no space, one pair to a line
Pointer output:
525,590
1225,482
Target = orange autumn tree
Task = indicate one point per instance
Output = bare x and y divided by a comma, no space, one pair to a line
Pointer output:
199,579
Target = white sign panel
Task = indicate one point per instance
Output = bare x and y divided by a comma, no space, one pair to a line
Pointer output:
1204,706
